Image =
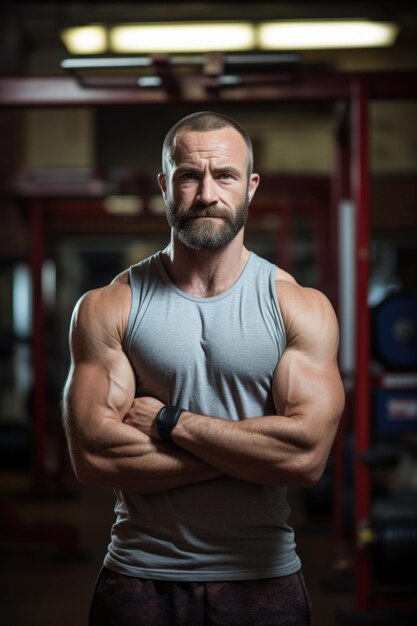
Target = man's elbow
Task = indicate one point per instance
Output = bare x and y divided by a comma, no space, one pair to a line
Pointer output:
311,470
92,471
83,474
304,469
86,469
310,478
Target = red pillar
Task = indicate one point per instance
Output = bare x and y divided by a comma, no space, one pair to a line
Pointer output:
39,409
341,191
362,408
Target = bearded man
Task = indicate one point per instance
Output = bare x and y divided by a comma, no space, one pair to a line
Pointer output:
203,382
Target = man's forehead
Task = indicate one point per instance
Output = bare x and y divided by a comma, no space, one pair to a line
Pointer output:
223,142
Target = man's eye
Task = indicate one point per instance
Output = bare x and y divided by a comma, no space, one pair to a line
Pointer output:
226,176
189,176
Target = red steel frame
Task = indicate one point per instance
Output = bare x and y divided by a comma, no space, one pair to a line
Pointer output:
362,408
37,257
356,88
340,191
67,92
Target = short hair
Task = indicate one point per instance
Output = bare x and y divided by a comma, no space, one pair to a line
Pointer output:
204,121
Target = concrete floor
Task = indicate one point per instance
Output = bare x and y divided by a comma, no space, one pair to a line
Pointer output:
40,586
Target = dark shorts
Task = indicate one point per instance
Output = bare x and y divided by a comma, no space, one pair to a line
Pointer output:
126,601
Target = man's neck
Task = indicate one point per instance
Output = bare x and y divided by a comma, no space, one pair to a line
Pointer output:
205,273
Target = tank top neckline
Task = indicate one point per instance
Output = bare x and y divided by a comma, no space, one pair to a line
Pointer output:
210,299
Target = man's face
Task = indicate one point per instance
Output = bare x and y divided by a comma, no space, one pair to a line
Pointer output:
206,187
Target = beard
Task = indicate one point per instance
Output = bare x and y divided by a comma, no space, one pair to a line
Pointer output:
204,234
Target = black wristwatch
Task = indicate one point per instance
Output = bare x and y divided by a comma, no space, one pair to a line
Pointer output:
166,421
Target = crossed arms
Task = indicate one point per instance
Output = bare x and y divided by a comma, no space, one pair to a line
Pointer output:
112,435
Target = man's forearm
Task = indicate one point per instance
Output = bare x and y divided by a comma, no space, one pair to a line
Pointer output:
267,450
270,450
123,458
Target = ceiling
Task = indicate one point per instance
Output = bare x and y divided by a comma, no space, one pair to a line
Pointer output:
30,43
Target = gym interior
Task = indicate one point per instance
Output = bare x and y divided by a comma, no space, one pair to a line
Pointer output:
334,129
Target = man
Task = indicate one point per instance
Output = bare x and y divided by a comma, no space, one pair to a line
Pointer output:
238,395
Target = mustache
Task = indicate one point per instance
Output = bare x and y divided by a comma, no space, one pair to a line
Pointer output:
206,212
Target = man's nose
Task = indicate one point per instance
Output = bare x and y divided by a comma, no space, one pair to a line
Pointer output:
207,193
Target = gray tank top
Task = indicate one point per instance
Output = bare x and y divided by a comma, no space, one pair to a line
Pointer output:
214,356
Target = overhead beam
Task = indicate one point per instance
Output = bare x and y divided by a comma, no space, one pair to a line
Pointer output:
66,92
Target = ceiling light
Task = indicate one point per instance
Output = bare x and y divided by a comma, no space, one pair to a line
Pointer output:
191,37
106,63
314,34
85,39
228,36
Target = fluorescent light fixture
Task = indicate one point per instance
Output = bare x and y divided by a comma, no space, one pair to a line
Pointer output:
315,34
182,37
85,39
228,36
106,63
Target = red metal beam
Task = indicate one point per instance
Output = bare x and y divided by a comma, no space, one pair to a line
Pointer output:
67,92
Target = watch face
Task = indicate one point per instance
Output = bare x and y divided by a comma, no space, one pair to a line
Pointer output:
166,421
164,416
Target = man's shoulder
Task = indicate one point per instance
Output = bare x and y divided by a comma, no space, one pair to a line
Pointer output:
104,310
281,275
114,295
289,290
304,309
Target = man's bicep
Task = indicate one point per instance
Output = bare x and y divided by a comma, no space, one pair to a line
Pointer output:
307,382
305,388
100,388
98,392
101,380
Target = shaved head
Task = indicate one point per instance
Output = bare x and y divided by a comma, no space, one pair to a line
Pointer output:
203,121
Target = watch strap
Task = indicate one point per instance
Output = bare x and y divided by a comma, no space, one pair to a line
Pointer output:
166,420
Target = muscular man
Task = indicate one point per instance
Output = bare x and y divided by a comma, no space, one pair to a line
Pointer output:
203,382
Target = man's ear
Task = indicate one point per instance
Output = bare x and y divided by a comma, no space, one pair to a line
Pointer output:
162,182
253,185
